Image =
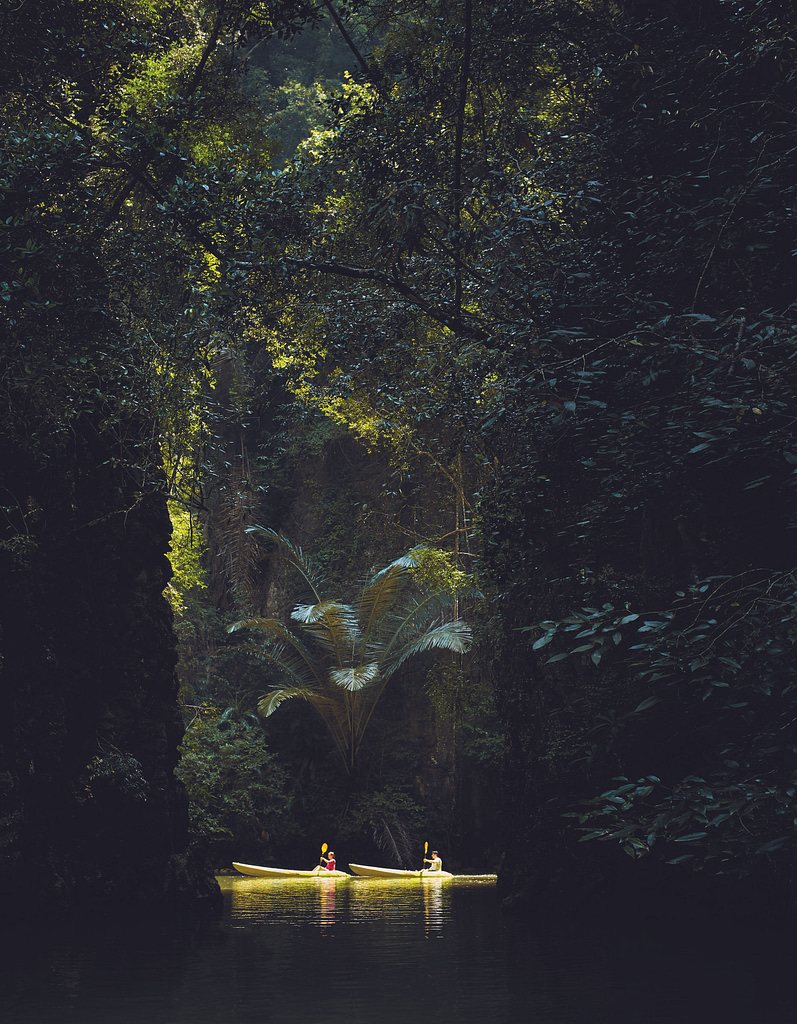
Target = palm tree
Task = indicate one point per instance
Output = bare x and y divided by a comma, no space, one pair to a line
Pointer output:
339,656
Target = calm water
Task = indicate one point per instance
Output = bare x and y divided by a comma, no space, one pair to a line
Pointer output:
364,951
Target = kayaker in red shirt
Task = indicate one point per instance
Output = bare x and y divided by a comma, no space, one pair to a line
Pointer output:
328,862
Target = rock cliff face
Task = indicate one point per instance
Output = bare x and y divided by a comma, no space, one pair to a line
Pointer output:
89,807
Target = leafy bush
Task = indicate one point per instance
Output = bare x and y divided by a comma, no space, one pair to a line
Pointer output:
235,787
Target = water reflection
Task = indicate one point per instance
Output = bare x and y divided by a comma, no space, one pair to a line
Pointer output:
328,897
433,910
288,900
321,901
357,950
374,951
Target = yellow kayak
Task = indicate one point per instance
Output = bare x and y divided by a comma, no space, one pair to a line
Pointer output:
364,870
261,872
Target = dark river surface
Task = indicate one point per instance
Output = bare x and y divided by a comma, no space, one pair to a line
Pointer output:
363,951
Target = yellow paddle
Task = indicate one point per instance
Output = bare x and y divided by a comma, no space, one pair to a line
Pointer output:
324,849
425,851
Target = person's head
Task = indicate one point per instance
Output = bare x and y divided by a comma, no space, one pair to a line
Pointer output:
434,853
331,855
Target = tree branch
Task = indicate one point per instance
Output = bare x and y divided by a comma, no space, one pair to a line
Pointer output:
451,320
347,38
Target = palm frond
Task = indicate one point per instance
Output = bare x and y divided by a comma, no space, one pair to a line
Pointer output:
308,613
328,705
339,615
269,703
289,663
282,648
333,712
356,677
305,566
411,617
404,561
455,636
380,594
333,626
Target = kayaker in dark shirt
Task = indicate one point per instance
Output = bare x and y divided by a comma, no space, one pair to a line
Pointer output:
435,863
328,862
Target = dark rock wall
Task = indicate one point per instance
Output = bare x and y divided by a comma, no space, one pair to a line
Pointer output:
90,812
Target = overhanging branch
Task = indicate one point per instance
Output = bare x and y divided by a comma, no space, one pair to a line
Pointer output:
437,313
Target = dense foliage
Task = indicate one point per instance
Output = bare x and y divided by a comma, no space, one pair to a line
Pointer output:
557,271
652,500
530,273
